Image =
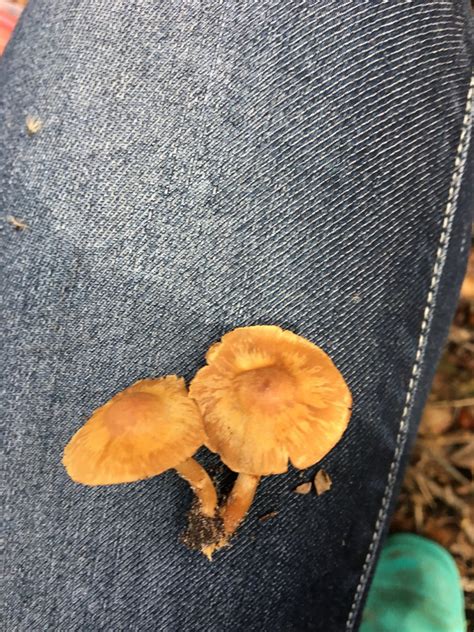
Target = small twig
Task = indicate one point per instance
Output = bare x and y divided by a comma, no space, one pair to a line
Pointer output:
418,513
454,403
410,482
268,516
423,487
447,495
447,466
448,439
468,528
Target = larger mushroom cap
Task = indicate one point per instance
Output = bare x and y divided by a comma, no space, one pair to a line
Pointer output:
148,428
268,396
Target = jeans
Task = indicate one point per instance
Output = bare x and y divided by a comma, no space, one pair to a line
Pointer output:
200,166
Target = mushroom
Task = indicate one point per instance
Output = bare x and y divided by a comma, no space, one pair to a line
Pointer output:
150,427
268,396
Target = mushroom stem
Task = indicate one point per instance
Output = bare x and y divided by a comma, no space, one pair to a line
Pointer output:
201,484
239,501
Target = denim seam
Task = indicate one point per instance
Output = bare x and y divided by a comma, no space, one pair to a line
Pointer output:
456,177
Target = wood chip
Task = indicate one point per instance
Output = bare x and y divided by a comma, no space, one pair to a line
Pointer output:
322,482
18,224
268,516
304,488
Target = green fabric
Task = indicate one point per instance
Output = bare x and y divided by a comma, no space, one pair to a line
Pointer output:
416,588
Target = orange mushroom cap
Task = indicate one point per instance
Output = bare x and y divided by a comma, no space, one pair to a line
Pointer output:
268,396
148,428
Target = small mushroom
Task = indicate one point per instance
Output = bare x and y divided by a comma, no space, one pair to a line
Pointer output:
150,427
268,396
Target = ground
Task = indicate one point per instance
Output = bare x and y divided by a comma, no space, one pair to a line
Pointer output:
437,497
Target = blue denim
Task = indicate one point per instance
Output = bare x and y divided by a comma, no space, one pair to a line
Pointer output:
204,165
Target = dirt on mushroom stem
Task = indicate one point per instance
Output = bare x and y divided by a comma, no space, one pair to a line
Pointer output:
202,531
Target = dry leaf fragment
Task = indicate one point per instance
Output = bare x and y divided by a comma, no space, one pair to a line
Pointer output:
322,482
459,335
467,289
303,488
437,530
466,418
436,420
33,124
467,584
18,224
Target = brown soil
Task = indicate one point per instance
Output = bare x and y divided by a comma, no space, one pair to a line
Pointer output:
201,531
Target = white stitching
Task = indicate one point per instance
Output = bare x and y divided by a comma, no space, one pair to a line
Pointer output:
459,163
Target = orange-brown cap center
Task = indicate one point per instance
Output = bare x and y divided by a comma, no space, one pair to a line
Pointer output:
269,386
133,408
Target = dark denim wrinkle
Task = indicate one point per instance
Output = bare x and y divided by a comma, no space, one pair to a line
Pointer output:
204,165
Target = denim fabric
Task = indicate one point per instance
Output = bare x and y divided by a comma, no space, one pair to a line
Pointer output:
204,165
